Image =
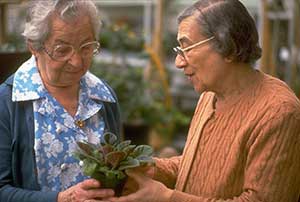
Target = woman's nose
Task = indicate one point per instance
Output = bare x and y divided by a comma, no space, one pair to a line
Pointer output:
180,61
76,59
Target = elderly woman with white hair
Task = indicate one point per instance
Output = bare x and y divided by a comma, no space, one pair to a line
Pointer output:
51,102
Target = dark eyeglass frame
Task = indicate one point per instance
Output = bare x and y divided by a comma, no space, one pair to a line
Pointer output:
69,55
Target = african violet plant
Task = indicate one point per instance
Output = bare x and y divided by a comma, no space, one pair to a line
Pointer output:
108,161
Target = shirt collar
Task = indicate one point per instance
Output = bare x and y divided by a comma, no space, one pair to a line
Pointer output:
28,85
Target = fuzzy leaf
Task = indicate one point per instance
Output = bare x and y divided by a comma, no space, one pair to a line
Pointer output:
112,174
130,163
106,149
142,150
103,169
123,145
114,158
86,147
129,149
109,178
98,155
121,175
112,178
81,155
109,138
89,167
145,160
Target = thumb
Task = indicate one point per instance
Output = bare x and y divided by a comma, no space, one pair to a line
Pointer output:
90,184
137,176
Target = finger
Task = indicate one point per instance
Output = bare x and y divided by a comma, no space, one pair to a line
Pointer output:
137,176
113,199
142,168
100,193
129,198
90,184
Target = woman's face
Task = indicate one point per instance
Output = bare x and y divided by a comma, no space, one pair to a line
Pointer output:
65,73
203,66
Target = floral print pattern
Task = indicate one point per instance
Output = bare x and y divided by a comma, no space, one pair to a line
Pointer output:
56,131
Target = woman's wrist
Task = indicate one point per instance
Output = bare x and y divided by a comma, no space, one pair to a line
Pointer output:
168,195
63,197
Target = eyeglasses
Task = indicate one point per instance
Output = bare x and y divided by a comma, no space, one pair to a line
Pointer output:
180,51
64,52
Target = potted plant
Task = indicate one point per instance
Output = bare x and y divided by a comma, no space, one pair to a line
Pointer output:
108,161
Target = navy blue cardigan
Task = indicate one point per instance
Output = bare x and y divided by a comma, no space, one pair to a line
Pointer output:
18,174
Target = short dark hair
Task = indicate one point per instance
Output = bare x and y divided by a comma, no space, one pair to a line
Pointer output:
235,32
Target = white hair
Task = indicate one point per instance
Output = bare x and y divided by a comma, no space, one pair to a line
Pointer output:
37,26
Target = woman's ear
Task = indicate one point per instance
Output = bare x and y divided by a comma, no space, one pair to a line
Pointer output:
31,49
228,59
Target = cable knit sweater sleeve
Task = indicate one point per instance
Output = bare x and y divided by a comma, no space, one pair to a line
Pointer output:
166,170
273,162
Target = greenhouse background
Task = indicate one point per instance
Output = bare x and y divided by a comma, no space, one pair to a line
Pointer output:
136,53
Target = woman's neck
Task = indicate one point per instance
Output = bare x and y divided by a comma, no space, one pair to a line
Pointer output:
66,96
237,82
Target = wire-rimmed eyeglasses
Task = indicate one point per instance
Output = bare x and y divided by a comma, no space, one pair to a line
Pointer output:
64,52
180,51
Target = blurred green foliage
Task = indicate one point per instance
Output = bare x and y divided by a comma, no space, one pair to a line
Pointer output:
142,101
120,37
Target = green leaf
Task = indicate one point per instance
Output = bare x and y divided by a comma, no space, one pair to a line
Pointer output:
89,167
123,145
145,160
142,150
109,138
129,149
103,169
130,163
112,174
98,155
112,179
81,155
121,175
115,157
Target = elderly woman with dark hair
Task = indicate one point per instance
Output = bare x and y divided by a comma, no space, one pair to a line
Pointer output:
51,102
244,139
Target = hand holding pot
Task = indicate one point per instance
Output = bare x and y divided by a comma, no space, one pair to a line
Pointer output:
88,190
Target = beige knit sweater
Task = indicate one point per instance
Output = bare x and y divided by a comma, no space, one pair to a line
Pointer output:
248,152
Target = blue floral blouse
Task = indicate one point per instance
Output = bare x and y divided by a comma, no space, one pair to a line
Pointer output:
56,132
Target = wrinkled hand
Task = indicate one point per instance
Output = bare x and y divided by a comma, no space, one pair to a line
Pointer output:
131,185
86,191
149,190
